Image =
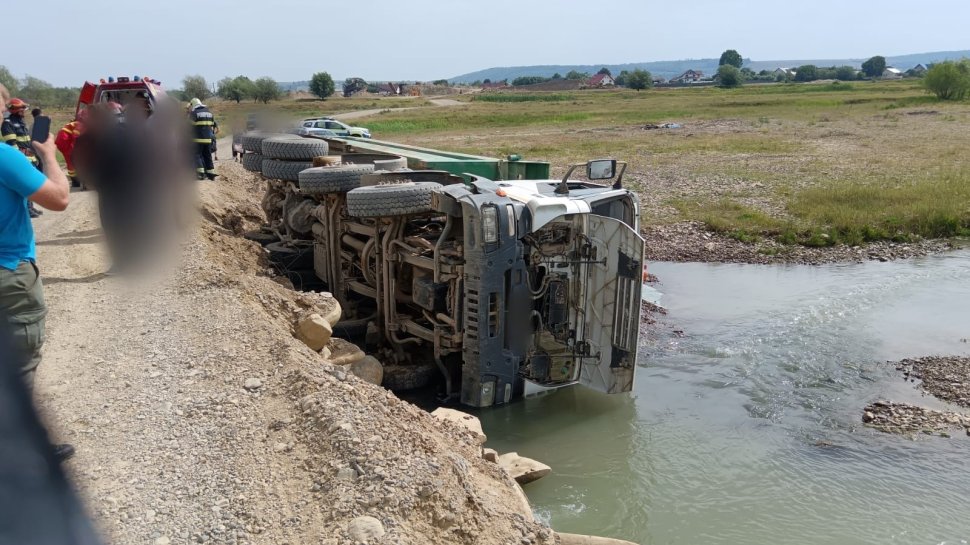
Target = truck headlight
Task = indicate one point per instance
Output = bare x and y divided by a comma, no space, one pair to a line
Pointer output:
490,223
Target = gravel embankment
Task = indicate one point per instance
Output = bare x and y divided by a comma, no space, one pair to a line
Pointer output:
198,418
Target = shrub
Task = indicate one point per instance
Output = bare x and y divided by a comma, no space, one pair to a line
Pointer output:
729,76
948,80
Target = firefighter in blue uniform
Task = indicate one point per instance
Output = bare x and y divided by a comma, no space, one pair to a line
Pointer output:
16,133
203,131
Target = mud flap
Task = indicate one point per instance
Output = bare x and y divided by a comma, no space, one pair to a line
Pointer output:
612,305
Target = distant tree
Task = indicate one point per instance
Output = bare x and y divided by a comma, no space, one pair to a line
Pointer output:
237,89
35,89
266,89
441,82
729,76
806,72
620,79
948,80
747,74
639,79
606,71
731,57
826,73
196,87
9,80
528,80
845,73
321,85
557,75
574,75
476,83
486,81
874,67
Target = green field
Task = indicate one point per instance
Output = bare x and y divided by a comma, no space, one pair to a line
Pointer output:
816,164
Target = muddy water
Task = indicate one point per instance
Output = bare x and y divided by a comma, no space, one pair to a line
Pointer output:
746,430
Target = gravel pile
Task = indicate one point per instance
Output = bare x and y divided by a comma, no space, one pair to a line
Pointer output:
198,418
946,378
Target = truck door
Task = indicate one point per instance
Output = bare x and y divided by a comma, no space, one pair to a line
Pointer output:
611,321
86,97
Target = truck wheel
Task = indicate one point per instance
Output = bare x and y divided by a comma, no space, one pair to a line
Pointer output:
335,179
294,149
260,236
252,141
398,163
288,258
289,171
391,200
400,378
253,162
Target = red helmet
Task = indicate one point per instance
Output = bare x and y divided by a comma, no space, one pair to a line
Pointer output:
16,104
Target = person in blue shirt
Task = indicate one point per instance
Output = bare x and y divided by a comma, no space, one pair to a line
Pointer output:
21,290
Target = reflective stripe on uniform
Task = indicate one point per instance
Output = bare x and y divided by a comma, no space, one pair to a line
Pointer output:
200,170
202,140
203,123
9,137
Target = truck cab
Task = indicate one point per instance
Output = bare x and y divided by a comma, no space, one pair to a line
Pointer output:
123,90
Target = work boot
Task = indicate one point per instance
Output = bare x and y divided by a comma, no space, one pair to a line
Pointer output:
63,451
212,177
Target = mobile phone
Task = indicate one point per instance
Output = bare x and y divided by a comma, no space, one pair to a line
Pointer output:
42,129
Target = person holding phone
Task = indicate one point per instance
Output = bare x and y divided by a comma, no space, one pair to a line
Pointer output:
21,290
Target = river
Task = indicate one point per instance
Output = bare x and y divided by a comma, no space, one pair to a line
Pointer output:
746,428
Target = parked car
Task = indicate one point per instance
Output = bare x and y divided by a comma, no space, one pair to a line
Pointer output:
312,131
338,127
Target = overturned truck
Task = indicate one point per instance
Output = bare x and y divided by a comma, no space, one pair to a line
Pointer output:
483,275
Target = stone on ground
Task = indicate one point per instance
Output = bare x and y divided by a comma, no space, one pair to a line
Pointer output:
365,529
314,331
523,470
576,539
465,420
368,369
344,352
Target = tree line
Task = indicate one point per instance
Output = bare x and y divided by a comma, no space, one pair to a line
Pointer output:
38,92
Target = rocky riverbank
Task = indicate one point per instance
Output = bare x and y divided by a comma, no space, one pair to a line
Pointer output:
945,378
692,241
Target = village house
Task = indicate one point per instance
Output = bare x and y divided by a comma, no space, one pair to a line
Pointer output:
892,73
602,80
690,76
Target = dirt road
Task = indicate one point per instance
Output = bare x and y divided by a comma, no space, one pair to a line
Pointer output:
437,102
149,382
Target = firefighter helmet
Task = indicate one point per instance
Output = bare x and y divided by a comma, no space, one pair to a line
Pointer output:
16,104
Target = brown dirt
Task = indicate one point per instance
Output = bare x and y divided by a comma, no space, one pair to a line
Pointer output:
198,418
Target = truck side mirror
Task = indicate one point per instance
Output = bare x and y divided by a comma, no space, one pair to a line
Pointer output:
601,169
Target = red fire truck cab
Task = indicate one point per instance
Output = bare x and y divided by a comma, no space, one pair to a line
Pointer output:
123,90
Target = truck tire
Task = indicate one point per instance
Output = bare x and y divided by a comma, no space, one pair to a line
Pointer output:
391,200
391,164
335,179
289,258
289,171
252,141
253,162
400,378
294,149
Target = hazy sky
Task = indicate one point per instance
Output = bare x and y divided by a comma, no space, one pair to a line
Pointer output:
423,39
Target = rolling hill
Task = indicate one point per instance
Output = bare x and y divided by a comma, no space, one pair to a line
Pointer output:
668,69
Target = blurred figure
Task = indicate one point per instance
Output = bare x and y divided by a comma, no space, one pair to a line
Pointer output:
131,162
35,113
203,132
21,289
16,133
66,138
37,503
237,148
